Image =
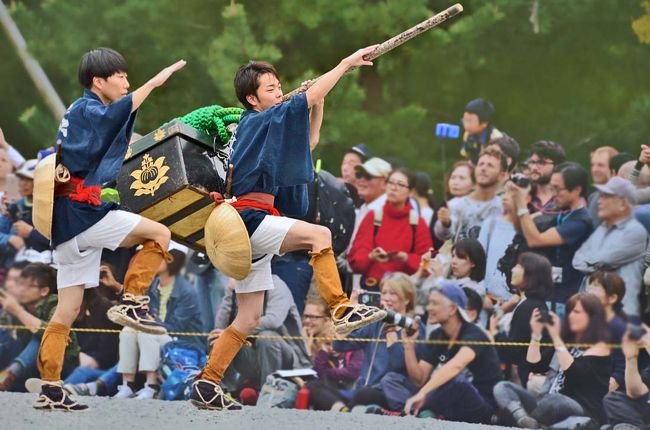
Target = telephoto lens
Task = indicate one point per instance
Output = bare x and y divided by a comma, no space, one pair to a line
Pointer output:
520,180
398,319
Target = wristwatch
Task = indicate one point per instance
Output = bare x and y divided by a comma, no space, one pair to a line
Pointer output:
522,211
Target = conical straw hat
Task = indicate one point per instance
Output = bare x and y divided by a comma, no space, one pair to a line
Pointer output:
227,242
44,195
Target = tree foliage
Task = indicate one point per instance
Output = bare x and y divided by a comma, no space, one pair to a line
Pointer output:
581,79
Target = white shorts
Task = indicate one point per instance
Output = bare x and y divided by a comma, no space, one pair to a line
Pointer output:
79,258
265,243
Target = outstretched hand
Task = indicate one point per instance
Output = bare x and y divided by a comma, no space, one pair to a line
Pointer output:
165,73
357,60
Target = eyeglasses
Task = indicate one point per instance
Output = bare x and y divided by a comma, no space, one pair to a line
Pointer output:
556,190
396,184
539,163
313,317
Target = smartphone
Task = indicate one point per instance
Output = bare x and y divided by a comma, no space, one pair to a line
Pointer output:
545,317
370,298
392,254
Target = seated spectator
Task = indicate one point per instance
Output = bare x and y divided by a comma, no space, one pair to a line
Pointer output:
631,408
316,320
98,352
531,277
582,379
464,217
497,233
386,355
601,173
479,130
558,236
610,289
545,155
619,243
337,374
9,345
18,238
448,392
392,238
467,266
174,304
34,307
264,356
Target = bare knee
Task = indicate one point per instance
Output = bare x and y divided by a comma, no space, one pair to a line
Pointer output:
247,322
163,236
321,238
66,313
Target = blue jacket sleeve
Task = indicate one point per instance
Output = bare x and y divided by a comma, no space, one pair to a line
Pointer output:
6,230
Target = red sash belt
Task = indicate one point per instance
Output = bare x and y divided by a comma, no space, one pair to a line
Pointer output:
78,192
261,201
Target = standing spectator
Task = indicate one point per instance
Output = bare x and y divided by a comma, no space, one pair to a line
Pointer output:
601,173
353,157
371,185
448,392
459,181
610,289
619,243
392,238
467,214
559,239
544,156
583,379
479,130
496,235
632,406
509,147
422,194
532,279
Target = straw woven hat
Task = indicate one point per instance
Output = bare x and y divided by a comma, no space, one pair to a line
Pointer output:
43,208
227,242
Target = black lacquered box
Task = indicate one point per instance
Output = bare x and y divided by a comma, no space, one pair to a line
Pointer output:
167,176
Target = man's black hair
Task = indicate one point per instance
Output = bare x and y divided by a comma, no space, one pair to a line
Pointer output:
100,63
247,79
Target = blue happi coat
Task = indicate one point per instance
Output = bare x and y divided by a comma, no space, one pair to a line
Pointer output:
271,155
94,139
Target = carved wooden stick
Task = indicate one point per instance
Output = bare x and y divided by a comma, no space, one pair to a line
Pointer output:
392,43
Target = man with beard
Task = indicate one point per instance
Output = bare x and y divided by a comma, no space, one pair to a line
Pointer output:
544,156
469,212
601,172
558,236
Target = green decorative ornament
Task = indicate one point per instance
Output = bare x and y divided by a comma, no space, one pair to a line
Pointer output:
214,120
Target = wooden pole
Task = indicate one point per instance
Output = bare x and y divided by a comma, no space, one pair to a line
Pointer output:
34,69
393,42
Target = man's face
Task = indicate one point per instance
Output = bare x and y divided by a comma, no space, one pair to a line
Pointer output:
600,172
29,291
350,161
541,169
562,197
488,171
26,187
11,282
370,187
610,207
112,88
472,124
268,94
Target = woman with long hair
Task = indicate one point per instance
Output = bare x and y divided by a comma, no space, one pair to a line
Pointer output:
583,360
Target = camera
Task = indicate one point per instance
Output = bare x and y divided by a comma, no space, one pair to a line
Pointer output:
636,332
15,213
520,180
545,317
394,318
370,298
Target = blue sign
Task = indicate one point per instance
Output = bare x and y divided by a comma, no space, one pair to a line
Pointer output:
447,131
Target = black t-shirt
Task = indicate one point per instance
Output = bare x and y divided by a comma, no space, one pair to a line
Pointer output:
587,382
574,228
485,366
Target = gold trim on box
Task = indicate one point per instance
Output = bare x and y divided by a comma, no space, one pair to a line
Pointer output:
171,204
159,135
192,223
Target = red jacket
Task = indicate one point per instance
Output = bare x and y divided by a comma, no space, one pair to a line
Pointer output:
394,235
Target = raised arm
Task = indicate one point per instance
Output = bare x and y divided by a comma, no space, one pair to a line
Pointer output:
325,83
143,92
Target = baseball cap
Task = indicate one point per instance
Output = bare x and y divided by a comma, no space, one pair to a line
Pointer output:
619,187
26,171
361,150
455,293
375,167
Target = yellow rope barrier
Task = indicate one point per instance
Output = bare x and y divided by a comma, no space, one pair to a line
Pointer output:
332,339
